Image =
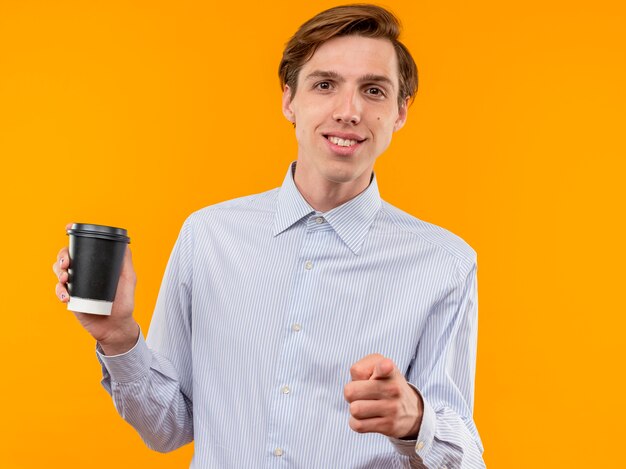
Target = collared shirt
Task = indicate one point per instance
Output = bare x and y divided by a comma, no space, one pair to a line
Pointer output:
265,305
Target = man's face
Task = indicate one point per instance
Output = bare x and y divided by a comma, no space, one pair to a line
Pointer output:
345,110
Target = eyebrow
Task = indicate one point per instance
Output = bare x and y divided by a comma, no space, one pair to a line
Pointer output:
331,74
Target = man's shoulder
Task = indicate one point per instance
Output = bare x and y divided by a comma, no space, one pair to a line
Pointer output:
435,235
263,202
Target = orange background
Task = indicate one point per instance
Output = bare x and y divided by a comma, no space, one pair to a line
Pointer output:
136,113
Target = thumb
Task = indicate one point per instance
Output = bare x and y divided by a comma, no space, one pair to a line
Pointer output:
383,369
127,263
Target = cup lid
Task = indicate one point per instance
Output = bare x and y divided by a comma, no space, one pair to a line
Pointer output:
99,231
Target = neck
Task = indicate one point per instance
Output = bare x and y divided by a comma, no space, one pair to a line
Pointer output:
325,195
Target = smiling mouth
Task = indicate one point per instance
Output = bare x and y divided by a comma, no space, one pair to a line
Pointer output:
342,142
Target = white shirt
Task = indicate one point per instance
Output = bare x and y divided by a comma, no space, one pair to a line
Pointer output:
265,305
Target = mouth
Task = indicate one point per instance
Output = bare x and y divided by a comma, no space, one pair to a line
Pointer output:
344,142
341,141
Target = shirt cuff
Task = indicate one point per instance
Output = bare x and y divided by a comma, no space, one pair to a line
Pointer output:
424,442
129,366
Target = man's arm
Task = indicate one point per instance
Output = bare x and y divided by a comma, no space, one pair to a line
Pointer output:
151,385
151,390
443,373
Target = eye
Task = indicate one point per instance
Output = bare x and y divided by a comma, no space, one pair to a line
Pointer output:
374,91
323,85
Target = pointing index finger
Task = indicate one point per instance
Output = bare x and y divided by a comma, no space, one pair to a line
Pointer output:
364,368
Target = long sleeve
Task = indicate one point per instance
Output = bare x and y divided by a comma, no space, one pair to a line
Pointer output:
443,373
151,383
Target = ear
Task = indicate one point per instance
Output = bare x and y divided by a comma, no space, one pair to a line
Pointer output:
287,107
402,115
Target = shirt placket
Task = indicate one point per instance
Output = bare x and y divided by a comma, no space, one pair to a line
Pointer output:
288,395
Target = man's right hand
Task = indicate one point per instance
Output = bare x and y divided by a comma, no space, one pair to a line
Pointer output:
117,333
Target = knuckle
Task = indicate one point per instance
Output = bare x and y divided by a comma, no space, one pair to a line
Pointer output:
388,428
394,409
356,425
394,390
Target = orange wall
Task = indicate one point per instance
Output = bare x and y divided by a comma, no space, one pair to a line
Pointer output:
136,113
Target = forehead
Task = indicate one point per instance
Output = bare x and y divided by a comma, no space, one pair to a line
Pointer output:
354,57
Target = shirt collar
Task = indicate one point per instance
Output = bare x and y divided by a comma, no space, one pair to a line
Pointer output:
351,220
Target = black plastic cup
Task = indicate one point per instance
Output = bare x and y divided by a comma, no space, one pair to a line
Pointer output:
96,257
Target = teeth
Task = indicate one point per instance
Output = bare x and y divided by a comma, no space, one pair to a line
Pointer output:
341,142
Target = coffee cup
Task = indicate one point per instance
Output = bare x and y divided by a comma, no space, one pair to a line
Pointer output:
96,258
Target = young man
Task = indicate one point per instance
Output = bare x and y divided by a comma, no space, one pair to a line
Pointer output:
313,325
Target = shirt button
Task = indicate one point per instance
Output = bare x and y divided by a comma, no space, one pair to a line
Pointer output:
285,390
278,452
296,327
420,445
319,220
308,265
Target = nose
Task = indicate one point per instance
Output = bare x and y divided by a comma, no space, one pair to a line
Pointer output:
348,109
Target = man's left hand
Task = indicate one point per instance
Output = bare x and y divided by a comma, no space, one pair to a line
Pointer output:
381,400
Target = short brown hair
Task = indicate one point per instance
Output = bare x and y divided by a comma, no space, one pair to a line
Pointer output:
360,20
